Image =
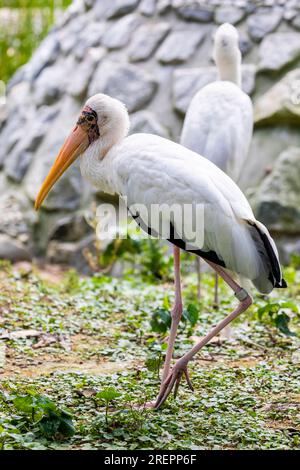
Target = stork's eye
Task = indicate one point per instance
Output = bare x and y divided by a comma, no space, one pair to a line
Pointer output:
90,118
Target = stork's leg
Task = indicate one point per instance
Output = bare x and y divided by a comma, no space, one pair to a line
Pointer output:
198,270
180,366
176,314
216,291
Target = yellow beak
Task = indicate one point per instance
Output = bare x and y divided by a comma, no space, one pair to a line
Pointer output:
75,145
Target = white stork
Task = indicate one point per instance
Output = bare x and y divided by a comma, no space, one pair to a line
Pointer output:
150,170
219,120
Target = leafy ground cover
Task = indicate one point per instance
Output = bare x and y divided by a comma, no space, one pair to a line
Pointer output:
77,355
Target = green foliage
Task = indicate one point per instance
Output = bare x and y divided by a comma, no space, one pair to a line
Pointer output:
161,320
279,314
190,314
52,421
30,418
20,35
146,257
107,395
246,388
153,363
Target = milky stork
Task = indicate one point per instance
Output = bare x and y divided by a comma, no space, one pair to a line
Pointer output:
150,170
219,121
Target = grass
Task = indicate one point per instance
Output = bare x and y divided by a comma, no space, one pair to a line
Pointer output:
22,30
74,381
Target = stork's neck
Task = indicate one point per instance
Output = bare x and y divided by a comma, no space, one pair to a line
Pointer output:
96,165
230,68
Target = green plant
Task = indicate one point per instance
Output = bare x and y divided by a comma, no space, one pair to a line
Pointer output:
23,27
279,314
107,396
52,421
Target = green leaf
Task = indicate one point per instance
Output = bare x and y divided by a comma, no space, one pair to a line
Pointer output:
153,363
49,425
161,320
191,314
108,394
25,404
282,321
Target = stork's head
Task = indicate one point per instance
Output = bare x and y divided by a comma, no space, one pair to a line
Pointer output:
226,45
103,122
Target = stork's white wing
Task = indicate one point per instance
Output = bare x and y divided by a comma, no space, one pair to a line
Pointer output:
151,170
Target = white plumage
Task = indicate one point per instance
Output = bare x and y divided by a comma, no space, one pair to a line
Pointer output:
219,120
148,169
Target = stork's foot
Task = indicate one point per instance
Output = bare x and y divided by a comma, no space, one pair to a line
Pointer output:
144,406
173,381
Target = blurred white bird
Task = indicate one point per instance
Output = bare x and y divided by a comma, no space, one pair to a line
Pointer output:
219,121
148,170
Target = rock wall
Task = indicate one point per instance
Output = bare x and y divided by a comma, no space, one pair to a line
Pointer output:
153,55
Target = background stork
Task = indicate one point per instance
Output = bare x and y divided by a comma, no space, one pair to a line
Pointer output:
219,121
148,170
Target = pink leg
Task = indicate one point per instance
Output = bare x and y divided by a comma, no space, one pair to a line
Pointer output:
216,293
180,366
198,269
176,314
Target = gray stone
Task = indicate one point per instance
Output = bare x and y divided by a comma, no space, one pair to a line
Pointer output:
11,133
13,250
101,9
289,14
248,78
280,104
264,22
278,50
18,77
32,135
179,46
119,33
53,81
245,44
187,82
127,83
78,86
45,55
12,218
72,253
287,246
296,21
229,14
277,201
70,228
146,121
148,7
68,192
19,108
121,7
267,143
164,6
95,34
68,36
17,163
146,40
194,11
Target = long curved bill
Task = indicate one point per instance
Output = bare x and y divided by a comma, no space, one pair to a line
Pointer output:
75,145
